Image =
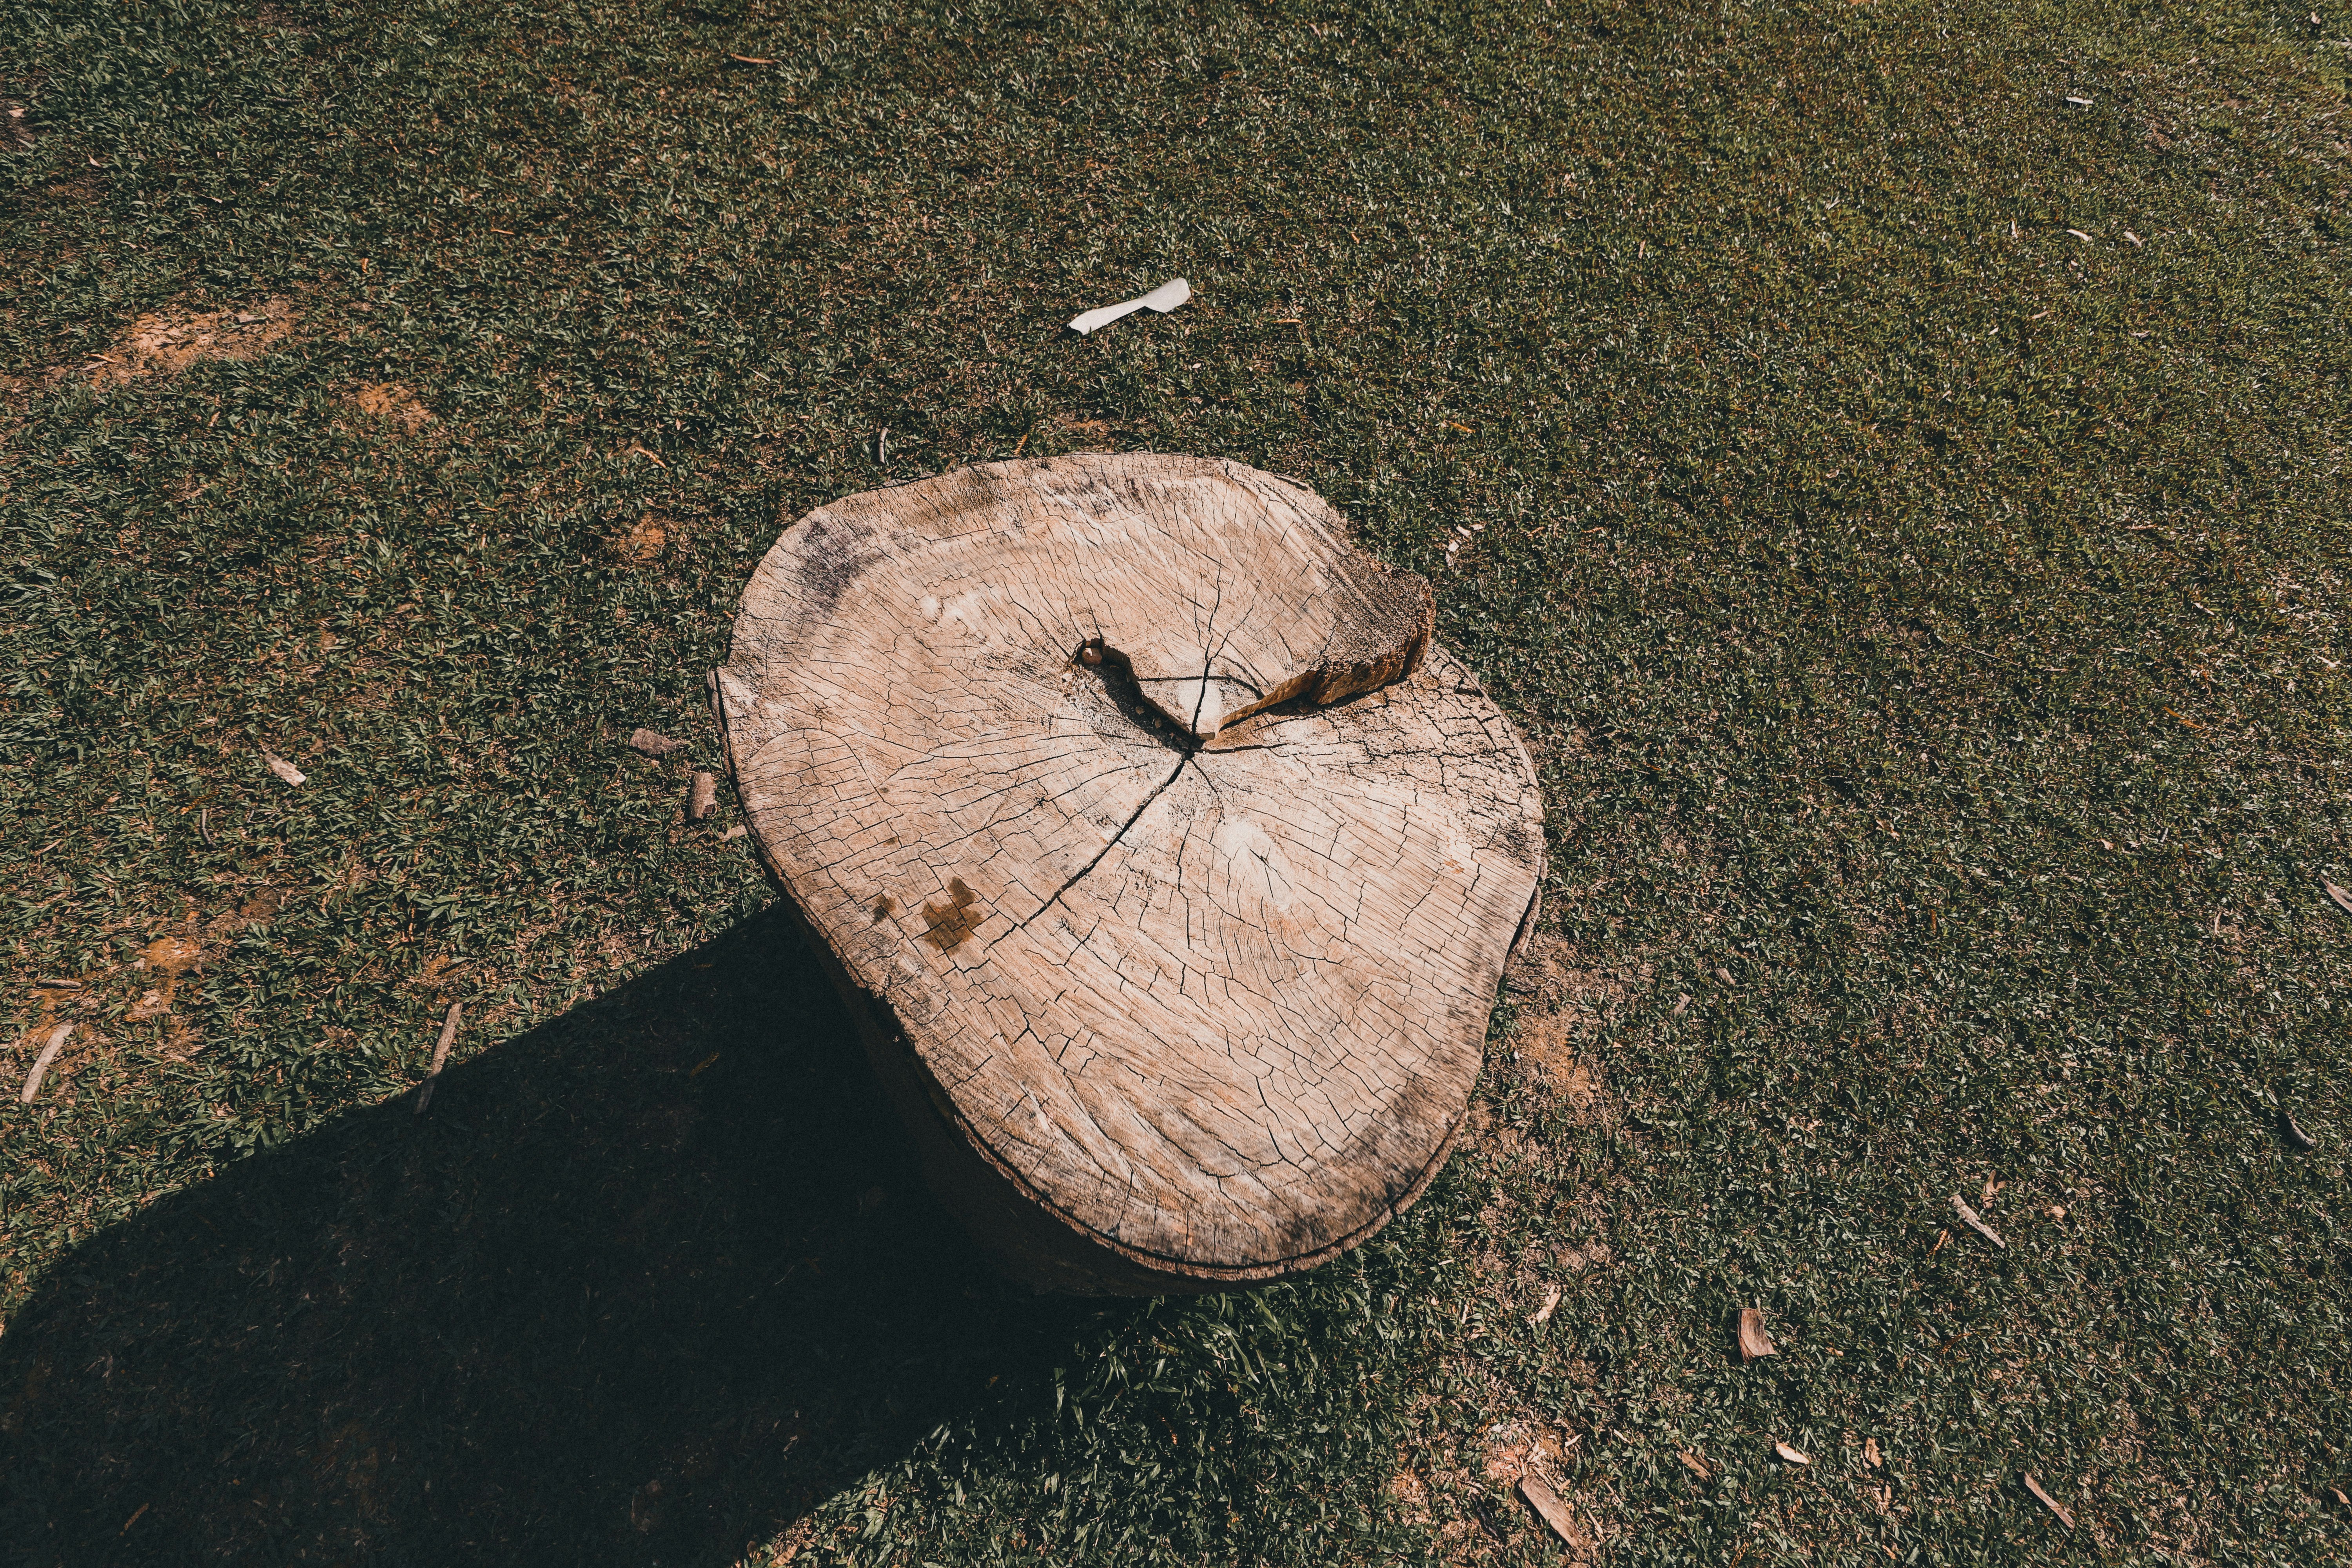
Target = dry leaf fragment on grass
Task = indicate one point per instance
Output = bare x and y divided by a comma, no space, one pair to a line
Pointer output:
1969,1217
1789,1454
440,1056
2052,1503
1870,1455
1554,1513
282,768
701,797
2343,900
1543,1313
1697,1465
168,342
1753,1341
57,1042
654,744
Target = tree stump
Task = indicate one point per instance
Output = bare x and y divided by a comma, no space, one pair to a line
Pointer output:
1169,867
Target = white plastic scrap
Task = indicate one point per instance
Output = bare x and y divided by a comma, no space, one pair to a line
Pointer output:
1164,299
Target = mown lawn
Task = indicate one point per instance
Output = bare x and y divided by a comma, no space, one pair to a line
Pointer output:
1903,449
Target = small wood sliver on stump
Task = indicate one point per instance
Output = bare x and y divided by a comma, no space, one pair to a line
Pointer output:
1167,865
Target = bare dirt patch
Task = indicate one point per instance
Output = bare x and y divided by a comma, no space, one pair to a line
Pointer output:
170,340
1567,997
646,539
393,403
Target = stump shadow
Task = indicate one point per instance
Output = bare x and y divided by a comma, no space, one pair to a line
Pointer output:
643,1286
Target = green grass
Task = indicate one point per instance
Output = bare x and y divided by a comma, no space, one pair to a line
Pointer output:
1927,620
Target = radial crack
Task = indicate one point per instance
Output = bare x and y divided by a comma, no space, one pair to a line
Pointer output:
1109,845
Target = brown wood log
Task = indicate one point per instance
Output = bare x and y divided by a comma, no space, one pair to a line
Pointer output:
1167,865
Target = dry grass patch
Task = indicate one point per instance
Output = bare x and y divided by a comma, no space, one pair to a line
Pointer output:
168,342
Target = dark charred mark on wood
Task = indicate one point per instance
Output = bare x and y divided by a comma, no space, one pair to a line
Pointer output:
946,925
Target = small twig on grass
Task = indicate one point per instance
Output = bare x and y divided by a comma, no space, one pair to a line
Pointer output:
440,1056
2052,1503
57,1037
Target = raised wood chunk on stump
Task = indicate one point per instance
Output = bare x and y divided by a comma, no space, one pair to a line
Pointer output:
1169,867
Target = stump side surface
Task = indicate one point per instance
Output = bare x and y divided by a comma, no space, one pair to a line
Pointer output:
1219,1007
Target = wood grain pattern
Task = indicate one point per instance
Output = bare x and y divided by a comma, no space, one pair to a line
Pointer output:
1171,867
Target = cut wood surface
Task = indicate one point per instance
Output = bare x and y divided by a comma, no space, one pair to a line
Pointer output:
1168,865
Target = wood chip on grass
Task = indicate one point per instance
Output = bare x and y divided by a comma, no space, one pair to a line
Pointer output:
701,797
57,1042
440,1056
653,743
285,770
1543,1313
1754,1342
2343,900
1970,1218
1791,1455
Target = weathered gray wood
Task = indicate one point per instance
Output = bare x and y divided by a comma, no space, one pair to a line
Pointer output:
1169,866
